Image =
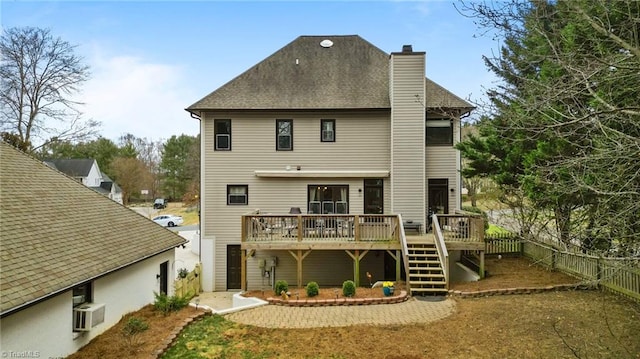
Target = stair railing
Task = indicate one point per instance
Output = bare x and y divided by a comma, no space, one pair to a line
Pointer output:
405,252
443,254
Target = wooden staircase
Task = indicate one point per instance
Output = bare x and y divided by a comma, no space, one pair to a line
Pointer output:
426,276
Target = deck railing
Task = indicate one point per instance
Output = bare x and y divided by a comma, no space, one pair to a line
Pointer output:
461,227
443,254
320,228
405,252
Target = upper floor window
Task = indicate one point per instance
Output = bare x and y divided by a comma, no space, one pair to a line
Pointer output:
238,194
327,130
284,135
222,131
439,132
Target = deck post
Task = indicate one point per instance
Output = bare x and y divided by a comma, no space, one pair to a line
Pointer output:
299,258
398,267
481,269
356,268
243,270
299,270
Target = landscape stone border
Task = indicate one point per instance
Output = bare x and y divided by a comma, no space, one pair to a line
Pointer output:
520,290
339,301
170,340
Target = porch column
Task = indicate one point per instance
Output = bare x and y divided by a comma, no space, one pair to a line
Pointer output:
299,256
356,256
398,266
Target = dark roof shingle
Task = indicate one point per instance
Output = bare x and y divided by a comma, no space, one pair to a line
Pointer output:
350,74
57,233
74,167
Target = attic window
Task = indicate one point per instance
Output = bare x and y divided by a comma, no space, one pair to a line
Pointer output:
326,43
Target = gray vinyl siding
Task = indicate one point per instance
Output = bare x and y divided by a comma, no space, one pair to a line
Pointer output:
408,134
362,143
444,162
327,268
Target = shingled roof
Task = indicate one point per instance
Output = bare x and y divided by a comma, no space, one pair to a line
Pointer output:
74,167
350,74
57,233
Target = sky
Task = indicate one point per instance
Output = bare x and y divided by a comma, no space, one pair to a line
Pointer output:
149,60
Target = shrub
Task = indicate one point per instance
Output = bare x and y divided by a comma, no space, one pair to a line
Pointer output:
166,304
281,285
312,289
348,288
477,210
132,329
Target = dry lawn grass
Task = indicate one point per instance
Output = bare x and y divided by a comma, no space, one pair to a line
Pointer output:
569,324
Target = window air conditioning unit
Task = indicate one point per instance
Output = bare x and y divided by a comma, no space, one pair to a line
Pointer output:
87,316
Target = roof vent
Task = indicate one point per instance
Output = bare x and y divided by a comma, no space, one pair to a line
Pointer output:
326,43
407,48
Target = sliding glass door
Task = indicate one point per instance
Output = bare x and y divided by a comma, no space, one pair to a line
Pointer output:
328,199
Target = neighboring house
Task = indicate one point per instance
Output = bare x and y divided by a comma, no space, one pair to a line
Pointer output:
334,126
73,262
87,172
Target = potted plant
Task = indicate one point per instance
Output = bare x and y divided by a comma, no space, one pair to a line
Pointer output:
183,272
387,288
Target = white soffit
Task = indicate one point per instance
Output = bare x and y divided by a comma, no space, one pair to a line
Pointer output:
293,173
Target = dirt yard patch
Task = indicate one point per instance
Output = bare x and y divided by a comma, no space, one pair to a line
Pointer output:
569,324
112,344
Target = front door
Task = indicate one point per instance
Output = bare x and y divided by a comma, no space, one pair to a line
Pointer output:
164,277
234,267
438,196
373,196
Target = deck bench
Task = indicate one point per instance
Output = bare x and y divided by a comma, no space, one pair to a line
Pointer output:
414,225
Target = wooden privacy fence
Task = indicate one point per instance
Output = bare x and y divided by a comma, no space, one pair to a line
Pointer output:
620,275
503,243
189,286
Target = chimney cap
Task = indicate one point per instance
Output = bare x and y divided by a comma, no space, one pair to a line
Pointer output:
407,48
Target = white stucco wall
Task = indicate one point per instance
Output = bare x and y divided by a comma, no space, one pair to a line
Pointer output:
46,329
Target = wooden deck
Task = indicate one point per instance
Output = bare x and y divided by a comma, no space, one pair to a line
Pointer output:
425,254
363,232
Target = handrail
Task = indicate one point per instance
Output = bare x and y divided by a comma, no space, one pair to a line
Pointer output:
443,254
314,228
462,227
405,253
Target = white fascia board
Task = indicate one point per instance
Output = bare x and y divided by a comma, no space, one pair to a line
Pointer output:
323,173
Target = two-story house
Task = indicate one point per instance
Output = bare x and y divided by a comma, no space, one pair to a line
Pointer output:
315,159
87,172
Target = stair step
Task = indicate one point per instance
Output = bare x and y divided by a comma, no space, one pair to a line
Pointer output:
434,282
422,261
435,259
426,275
423,290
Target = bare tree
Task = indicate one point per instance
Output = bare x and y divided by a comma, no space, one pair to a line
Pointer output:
39,74
129,173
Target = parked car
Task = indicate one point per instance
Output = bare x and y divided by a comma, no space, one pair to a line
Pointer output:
160,203
168,220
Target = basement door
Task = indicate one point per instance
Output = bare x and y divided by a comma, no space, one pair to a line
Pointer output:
164,277
234,267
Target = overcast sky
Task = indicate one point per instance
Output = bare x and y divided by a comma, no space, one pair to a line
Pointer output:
151,59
